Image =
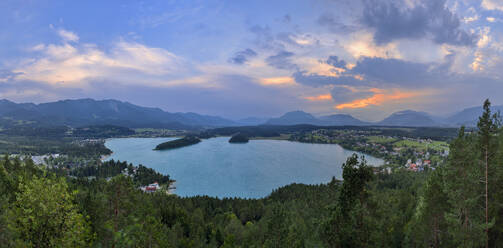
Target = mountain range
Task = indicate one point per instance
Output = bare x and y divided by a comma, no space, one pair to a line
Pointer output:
300,117
85,112
409,118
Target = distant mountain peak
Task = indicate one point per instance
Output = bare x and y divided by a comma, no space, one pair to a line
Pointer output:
469,116
298,113
408,112
409,118
293,118
301,117
5,101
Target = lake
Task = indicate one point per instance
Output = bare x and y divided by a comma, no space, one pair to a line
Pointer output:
214,167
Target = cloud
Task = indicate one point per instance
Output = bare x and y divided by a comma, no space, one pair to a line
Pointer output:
343,93
372,70
334,24
241,57
68,35
378,97
393,70
277,81
492,5
351,97
29,91
373,81
316,80
282,61
297,40
336,62
487,56
7,75
362,44
427,19
322,97
470,19
74,65
265,39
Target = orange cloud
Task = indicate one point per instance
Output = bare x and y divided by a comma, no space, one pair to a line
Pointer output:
277,81
377,99
324,97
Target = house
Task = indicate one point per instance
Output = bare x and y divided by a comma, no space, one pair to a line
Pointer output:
427,163
419,162
153,187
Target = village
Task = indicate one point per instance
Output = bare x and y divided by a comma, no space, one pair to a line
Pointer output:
415,154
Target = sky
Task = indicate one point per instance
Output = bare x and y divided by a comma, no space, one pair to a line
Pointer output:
236,59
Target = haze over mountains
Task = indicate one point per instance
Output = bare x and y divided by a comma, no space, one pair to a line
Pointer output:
84,112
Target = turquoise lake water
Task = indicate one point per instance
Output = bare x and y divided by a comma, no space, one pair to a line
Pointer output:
214,167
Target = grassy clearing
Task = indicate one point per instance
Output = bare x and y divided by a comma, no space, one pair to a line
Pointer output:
435,145
380,139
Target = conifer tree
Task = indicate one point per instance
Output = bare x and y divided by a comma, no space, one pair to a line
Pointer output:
428,225
487,129
464,192
349,226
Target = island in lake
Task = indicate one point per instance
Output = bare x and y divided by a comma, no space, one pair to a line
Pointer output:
239,138
185,141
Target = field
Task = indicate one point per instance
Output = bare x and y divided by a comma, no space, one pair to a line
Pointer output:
435,145
380,139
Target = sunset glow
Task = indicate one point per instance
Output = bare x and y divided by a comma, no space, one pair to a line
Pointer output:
324,97
377,99
277,81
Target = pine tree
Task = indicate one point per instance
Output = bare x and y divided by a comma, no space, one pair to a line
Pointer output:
487,130
349,224
462,186
496,232
427,227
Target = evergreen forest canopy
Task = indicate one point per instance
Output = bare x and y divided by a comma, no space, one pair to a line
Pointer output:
178,143
460,204
239,138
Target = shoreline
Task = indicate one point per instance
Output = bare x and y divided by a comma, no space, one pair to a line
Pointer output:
105,157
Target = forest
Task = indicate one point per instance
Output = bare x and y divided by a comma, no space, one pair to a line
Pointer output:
265,131
33,139
459,204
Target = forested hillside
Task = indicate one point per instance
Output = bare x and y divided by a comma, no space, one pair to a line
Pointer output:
460,204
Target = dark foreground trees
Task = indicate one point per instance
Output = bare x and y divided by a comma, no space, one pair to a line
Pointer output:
349,225
461,203
38,210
